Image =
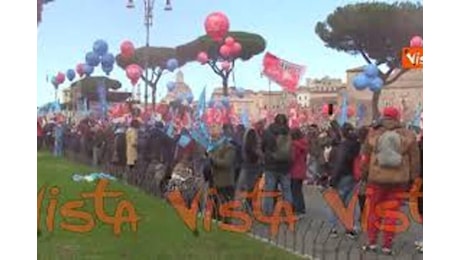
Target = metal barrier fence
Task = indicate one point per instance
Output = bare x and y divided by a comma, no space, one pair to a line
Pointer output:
310,239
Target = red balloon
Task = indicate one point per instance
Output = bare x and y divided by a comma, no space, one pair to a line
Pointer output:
225,51
236,49
80,69
350,111
60,78
202,57
216,26
229,41
134,72
127,49
225,65
416,41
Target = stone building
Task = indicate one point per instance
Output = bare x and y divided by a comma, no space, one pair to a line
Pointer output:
257,102
318,92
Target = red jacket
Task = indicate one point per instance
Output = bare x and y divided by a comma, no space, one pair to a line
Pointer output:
39,129
299,159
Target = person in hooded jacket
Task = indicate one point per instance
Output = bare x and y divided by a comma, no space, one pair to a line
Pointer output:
276,172
298,171
342,178
222,159
384,184
251,165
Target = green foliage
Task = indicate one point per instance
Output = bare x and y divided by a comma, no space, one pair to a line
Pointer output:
89,84
376,30
252,44
153,57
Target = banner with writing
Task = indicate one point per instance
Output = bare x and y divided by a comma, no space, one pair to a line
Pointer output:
284,73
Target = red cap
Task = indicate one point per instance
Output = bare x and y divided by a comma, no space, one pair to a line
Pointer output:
391,112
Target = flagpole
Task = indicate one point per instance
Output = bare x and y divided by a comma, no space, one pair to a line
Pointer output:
269,95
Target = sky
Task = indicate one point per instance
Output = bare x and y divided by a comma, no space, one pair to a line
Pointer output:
69,29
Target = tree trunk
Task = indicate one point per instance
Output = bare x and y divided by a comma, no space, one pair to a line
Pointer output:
225,86
375,105
154,90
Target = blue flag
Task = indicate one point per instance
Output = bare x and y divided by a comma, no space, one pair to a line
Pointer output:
201,106
56,107
200,134
343,114
170,130
360,114
416,119
184,140
245,118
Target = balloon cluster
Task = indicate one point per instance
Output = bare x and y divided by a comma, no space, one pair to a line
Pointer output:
217,26
369,78
58,79
134,71
99,55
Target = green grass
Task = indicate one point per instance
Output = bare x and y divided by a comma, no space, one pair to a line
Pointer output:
160,235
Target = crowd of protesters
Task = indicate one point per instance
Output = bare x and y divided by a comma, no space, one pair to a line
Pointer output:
377,161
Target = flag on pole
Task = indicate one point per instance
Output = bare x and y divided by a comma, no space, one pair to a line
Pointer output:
417,116
284,73
201,106
344,111
360,114
245,118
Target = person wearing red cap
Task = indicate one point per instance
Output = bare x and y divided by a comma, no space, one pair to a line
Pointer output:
390,163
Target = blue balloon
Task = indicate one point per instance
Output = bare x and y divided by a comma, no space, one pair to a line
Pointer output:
371,70
88,69
172,64
92,59
376,84
107,60
240,92
225,102
190,97
70,74
100,47
361,81
107,69
171,86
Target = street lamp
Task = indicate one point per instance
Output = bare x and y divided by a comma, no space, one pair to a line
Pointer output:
148,22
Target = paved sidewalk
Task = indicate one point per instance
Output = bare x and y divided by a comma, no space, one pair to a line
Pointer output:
311,236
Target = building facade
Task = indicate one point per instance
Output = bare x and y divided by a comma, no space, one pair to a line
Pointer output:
406,93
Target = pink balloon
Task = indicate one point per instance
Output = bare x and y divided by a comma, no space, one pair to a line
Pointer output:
80,69
236,49
127,49
60,78
202,57
216,26
229,41
416,41
225,65
325,109
133,72
225,51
